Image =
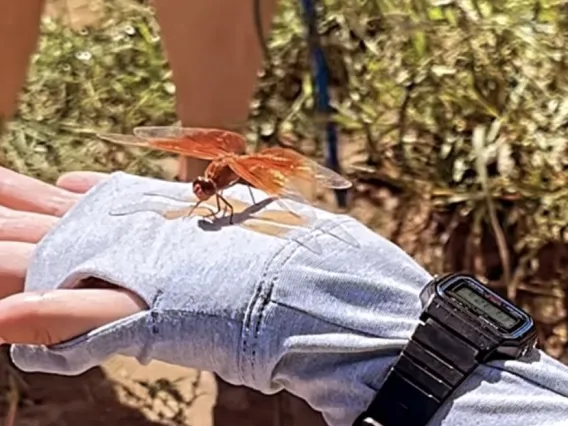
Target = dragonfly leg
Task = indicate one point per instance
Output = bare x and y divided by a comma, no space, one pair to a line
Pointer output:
251,194
218,196
228,206
214,213
190,212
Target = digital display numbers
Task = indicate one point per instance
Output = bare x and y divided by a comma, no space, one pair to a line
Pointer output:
473,298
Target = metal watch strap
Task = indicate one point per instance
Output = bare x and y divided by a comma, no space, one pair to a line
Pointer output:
431,366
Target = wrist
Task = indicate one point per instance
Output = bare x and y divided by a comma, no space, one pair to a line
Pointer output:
327,328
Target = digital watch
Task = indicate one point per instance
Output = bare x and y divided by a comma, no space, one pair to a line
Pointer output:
463,324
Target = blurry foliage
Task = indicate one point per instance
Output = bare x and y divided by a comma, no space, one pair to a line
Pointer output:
11,386
110,77
461,105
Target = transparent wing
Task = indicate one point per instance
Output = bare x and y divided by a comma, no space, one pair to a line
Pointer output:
205,144
280,171
268,177
158,132
121,139
269,222
286,217
274,176
267,173
306,168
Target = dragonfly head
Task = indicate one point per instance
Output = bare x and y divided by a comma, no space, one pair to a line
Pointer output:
204,188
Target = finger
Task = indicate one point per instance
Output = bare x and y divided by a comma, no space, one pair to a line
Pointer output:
53,317
14,258
21,192
24,227
80,182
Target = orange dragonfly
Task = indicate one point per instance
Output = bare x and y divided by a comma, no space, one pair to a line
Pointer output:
279,172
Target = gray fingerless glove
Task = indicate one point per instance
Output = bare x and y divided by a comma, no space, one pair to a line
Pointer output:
260,311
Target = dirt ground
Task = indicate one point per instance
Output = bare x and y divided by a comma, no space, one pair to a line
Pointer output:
121,392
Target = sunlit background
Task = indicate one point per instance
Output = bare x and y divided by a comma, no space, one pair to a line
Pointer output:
453,118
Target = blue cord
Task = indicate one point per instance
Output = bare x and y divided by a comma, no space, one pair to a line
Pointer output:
320,78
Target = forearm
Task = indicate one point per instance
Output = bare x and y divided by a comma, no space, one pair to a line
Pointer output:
214,54
339,368
19,30
266,312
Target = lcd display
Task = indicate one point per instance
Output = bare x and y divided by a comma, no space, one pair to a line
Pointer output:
473,298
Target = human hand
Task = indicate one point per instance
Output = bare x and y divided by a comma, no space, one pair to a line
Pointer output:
256,310
259,311
29,209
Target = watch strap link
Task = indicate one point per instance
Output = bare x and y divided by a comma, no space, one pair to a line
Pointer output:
422,377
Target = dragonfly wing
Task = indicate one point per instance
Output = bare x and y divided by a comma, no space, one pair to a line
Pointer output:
327,177
266,175
205,144
178,198
308,169
158,207
194,138
198,149
158,132
202,149
273,175
123,139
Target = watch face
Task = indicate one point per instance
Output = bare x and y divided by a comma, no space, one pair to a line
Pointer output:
483,303
471,297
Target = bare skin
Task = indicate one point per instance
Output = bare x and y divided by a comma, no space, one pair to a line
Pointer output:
19,25
29,208
215,56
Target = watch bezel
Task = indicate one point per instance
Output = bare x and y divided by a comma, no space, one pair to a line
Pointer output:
440,288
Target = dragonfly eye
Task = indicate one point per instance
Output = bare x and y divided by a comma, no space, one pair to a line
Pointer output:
204,188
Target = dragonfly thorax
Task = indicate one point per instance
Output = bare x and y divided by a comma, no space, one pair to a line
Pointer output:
204,188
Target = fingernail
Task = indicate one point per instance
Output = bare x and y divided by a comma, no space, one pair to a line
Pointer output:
2,341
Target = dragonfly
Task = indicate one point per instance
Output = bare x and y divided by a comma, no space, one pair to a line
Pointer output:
279,172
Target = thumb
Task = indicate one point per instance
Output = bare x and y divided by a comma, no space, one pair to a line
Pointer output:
53,317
